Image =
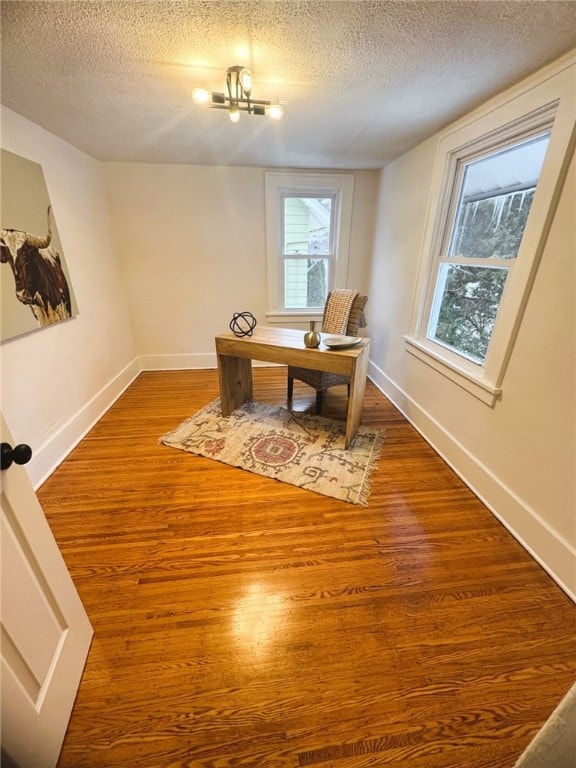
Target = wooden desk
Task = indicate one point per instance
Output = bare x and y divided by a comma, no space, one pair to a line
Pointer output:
286,346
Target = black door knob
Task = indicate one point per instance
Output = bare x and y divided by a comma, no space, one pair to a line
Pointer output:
20,454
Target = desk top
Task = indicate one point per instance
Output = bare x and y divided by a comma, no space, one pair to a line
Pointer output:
291,339
285,346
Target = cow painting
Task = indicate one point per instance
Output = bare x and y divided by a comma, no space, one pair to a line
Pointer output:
39,280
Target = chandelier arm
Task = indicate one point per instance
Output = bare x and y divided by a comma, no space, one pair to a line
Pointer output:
218,98
254,109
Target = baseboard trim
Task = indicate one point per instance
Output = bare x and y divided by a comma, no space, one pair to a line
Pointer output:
53,452
180,362
551,551
185,362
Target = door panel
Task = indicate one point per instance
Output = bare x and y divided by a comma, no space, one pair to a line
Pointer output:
45,632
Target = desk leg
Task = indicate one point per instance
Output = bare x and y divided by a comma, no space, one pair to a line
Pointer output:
356,399
235,375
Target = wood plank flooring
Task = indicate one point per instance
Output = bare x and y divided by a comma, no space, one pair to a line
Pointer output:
244,623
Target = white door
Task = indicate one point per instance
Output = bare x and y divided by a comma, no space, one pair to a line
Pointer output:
46,633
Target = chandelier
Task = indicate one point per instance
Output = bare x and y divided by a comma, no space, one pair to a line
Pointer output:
239,84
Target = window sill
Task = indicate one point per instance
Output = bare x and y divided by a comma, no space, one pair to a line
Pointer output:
467,378
297,316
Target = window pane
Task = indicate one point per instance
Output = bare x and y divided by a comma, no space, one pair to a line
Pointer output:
307,225
466,303
305,283
495,200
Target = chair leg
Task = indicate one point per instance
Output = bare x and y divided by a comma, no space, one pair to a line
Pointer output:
290,387
319,394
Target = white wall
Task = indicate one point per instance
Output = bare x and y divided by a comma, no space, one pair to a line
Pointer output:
519,456
57,381
192,244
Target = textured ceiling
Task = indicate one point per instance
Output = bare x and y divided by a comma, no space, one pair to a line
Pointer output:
362,82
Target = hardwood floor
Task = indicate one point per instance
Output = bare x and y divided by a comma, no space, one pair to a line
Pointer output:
244,623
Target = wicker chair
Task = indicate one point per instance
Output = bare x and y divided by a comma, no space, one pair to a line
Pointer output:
321,380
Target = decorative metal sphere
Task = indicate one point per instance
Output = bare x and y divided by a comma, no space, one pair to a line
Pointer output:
243,324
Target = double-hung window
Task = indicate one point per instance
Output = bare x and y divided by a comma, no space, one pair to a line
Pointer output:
496,183
308,228
307,248
494,193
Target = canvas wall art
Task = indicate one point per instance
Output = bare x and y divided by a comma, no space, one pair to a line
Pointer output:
36,290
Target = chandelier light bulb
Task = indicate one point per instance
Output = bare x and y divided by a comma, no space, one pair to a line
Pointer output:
245,78
234,114
274,111
201,96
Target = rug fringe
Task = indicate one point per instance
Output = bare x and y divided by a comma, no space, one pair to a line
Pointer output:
366,488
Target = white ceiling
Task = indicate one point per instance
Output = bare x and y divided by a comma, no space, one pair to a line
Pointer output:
362,81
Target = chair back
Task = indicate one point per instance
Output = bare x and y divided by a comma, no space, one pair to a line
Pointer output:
356,319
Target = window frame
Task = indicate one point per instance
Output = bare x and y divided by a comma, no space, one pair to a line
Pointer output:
279,185
545,103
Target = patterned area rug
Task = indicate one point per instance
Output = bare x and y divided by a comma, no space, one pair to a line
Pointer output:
307,451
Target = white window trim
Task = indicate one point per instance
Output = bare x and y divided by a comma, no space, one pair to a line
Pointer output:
549,100
318,184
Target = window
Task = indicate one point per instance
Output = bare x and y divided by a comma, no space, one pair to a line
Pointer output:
496,182
495,194
308,228
307,249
